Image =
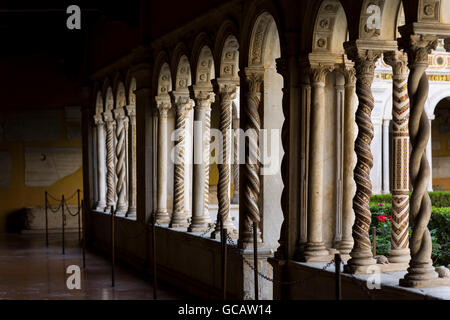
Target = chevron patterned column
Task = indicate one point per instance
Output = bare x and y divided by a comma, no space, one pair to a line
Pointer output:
361,254
399,252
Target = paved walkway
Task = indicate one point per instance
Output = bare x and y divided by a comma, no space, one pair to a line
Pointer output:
29,270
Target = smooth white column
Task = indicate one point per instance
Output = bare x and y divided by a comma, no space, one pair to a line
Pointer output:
376,174
163,105
430,157
101,161
131,109
386,186
340,93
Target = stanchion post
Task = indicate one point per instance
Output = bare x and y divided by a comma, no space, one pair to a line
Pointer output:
337,263
155,282
62,224
79,218
113,258
255,258
374,241
46,220
223,243
84,235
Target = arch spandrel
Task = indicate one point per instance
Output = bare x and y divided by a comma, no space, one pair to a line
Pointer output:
131,94
99,103
205,67
164,80
229,64
109,100
378,19
120,96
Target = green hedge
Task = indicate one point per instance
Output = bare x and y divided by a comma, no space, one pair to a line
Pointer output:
438,198
439,227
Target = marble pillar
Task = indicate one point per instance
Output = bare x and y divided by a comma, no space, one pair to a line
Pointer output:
110,161
421,271
361,254
163,104
202,118
227,93
349,162
131,111
101,161
249,209
121,164
399,252
183,105
315,249
386,185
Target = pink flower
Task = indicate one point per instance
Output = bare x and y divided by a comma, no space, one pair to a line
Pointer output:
382,218
380,204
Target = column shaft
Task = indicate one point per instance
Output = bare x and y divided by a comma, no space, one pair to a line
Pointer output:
101,182
131,109
110,163
386,187
121,165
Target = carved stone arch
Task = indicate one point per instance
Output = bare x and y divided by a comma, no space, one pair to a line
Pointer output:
164,79
203,61
426,11
378,19
99,107
183,78
131,89
162,70
330,28
264,41
121,99
109,99
227,50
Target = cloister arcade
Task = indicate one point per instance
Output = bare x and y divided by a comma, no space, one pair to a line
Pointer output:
175,126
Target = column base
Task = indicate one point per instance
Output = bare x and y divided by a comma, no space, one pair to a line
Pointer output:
399,256
345,247
178,222
246,240
315,252
360,260
198,228
121,210
101,206
233,233
131,212
162,217
439,282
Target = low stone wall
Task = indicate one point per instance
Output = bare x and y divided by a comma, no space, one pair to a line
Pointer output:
188,261
34,219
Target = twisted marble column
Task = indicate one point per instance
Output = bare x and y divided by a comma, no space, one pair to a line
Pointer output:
361,254
315,249
202,117
131,110
110,161
227,95
348,190
121,165
420,267
101,183
183,106
251,192
399,252
163,105
235,199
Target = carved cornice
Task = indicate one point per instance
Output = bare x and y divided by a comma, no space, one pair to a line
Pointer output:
398,61
418,47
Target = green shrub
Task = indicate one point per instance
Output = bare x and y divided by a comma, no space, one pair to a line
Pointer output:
438,198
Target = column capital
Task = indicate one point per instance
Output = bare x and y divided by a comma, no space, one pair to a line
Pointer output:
163,104
98,119
182,101
418,47
108,116
254,77
318,73
364,59
131,110
227,91
119,113
204,99
398,61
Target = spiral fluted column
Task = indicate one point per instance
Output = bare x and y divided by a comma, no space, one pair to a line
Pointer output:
121,165
361,254
227,94
251,187
163,105
131,110
101,180
183,106
420,269
349,162
202,118
235,125
315,249
110,161
399,252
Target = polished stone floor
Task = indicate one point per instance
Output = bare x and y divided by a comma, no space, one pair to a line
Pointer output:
29,270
